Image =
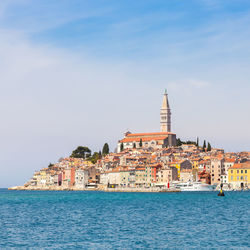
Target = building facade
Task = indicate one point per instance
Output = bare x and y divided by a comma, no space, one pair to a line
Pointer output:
164,138
81,178
239,175
217,169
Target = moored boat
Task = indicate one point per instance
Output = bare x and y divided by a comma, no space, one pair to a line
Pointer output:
195,186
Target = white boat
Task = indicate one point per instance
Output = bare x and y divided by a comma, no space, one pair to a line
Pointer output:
195,186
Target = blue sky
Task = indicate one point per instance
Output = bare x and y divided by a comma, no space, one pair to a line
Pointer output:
82,72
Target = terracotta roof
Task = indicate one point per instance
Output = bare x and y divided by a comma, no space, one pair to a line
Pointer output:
229,160
156,134
137,139
140,169
245,165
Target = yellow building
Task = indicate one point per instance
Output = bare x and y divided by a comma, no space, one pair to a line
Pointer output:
239,175
43,178
180,165
195,163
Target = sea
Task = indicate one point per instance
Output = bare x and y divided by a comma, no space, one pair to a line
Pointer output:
102,220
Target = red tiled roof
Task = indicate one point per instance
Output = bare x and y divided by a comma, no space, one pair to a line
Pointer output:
137,139
245,165
229,160
148,134
140,169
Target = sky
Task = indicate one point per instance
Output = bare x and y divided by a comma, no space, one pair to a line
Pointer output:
84,72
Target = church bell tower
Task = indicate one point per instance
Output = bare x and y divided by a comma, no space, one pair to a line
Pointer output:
165,114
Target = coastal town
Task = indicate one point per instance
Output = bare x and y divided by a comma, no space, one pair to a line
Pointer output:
144,162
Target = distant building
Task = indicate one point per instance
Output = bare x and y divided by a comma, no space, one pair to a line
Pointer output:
156,140
165,114
127,177
140,177
164,175
239,175
181,165
186,175
148,140
81,178
68,177
217,169
229,162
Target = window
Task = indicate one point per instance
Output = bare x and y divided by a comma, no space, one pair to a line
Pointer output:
237,177
237,171
232,178
245,178
241,178
245,171
241,171
231,171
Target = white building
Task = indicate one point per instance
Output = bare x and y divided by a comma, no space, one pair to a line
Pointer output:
227,164
111,178
81,178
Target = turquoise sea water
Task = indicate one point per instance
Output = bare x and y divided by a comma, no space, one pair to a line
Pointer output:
98,220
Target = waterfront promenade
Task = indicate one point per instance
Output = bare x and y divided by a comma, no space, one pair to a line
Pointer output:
105,189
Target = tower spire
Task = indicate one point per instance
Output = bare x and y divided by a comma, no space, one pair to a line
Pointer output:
165,114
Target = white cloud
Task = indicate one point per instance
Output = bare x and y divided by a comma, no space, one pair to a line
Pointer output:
52,100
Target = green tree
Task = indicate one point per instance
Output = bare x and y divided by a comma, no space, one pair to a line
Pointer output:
204,146
81,152
209,147
105,149
95,157
50,165
134,145
100,154
178,142
197,143
121,147
140,143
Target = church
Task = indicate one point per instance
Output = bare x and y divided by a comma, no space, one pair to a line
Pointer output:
164,138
